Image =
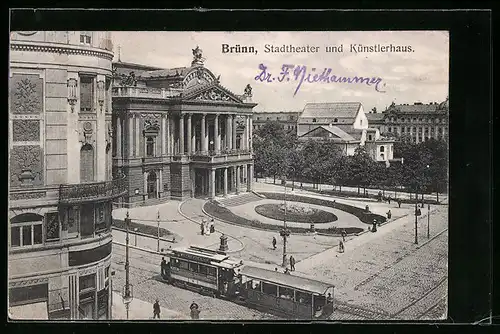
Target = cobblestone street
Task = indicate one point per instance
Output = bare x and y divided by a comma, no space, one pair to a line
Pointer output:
382,275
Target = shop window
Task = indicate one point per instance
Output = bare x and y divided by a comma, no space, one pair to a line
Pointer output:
86,94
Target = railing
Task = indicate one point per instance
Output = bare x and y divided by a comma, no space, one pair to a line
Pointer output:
149,92
87,191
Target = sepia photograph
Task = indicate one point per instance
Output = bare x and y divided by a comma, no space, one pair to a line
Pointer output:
215,176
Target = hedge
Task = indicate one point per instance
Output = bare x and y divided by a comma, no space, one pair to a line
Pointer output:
141,228
361,214
213,208
317,216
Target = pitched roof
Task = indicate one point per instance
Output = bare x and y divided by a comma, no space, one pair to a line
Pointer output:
341,134
373,117
135,65
337,109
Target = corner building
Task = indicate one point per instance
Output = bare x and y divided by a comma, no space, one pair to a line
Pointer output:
180,133
61,187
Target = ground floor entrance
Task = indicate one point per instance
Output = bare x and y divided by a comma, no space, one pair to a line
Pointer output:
212,182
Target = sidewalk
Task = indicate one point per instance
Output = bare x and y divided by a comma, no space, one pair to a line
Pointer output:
141,310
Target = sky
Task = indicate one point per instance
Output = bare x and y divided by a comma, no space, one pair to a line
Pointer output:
418,76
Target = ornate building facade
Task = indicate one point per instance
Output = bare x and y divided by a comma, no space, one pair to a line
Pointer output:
60,178
287,118
179,133
418,122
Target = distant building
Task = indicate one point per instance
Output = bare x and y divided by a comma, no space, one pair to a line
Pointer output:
61,188
376,120
287,118
417,121
347,125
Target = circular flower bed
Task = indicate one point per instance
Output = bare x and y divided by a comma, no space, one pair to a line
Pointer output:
295,213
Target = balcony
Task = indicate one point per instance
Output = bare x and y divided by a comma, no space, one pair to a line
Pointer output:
86,192
145,92
222,156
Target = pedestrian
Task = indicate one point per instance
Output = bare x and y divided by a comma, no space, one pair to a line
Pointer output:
389,199
202,227
212,226
292,263
207,228
156,309
374,227
195,311
276,269
399,203
163,267
287,271
274,243
367,208
389,214
341,246
344,234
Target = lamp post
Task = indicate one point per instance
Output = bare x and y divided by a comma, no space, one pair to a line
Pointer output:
158,232
111,293
417,213
127,293
284,233
428,220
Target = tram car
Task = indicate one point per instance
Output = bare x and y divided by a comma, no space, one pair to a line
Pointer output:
215,273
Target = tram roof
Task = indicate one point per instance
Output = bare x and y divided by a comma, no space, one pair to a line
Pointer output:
201,252
296,282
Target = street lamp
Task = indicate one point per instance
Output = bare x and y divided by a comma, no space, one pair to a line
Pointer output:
158,232
111,292
284,232
127,291
417,214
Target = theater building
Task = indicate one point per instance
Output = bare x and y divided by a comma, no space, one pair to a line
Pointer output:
179,133
60,178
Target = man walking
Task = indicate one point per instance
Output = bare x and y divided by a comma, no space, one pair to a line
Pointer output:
344,234
163,267
399,202
274,243
195,311
292,263
156,309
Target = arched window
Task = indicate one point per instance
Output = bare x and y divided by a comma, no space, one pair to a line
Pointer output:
150,146
335,120
26,230
314,120
382,157
152,189
87,163
382,148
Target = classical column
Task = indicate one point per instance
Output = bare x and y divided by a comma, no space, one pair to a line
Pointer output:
216,134
118,137
228,132
250,133
163,136
237,178
225,181
212,183
137,136
181,134
193,138
435,132
145,187
131,135
250,178
169,136
203,137
244,140
160,186
233,127
189,139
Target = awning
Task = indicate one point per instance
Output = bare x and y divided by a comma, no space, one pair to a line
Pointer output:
35,311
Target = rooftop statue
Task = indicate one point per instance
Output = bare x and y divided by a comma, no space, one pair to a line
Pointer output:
197,56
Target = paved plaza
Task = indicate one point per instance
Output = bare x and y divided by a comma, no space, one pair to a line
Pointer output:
382,275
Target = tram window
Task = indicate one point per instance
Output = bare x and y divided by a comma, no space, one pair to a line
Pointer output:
211,271
256,285
286,293
269,289
302,297
193,266
319,301
183,265
203,269
175,263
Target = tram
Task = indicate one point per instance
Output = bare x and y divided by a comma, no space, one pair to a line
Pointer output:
215,273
